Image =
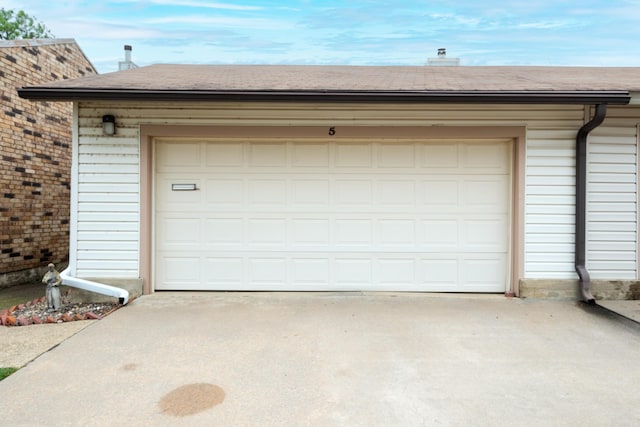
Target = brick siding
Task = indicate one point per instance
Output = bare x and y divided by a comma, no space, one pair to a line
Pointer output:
35,153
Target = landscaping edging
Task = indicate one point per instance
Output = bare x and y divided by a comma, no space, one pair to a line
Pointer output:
36,312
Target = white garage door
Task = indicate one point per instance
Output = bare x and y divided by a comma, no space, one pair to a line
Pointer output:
355,215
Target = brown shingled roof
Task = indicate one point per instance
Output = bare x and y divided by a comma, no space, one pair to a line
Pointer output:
166,81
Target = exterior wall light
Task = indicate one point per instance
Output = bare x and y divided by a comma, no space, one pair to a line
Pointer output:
108,124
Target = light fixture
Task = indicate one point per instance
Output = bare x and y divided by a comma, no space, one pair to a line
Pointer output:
108,124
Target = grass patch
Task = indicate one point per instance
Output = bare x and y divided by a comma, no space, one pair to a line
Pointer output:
5,372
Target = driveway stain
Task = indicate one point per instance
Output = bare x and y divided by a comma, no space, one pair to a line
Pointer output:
130,367
191,399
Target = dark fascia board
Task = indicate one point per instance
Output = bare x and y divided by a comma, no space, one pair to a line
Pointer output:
455,97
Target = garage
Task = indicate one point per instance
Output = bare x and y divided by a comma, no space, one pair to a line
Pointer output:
318,215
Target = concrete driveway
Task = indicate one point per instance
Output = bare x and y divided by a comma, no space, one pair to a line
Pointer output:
296,359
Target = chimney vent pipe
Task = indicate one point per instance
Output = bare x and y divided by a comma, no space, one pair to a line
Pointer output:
127,64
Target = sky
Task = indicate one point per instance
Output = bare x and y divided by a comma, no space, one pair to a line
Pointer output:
346,32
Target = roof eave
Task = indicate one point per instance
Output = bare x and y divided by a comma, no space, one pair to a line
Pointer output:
455,97
635,98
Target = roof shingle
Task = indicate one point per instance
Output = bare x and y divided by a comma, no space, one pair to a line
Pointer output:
361,78
291,79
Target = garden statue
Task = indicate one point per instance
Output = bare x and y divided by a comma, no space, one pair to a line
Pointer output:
53,281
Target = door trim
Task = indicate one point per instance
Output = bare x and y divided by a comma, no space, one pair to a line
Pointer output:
516,133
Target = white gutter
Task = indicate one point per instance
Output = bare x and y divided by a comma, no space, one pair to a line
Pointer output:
99,288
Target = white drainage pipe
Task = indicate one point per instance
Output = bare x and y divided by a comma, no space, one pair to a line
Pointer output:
99,288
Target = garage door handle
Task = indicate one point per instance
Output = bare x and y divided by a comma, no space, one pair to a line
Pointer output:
183,187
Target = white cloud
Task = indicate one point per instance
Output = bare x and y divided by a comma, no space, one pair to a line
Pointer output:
86,28
542,25
456,19
204,4
227,21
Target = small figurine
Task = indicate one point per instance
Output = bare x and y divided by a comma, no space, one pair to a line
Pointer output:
53,281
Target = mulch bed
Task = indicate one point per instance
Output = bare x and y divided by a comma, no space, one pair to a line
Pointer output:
36,312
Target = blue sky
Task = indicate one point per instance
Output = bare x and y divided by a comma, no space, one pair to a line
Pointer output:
351,32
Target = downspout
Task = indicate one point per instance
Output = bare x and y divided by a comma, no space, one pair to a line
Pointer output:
584,283
99,288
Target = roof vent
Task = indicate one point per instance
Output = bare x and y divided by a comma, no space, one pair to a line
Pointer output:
442,60
127,64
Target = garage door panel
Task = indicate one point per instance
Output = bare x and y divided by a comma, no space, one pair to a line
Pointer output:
353,193
224,232
437,156
180,231
267,192
397,155
440,234
222,192
396,193
396,271
484,235
353,271
299,215
311,192
224,155
177,156
267,232
267,271
439,195
441,273
311,232
311,271
356,232
310,155
343,271
483,274
180,272
399,233
353,155
171,200
482,194
224,272
267,154
490,157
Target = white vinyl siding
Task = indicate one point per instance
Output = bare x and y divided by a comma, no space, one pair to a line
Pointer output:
108,205
612,198
611,201
550,204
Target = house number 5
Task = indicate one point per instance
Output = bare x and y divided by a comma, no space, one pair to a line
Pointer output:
332,131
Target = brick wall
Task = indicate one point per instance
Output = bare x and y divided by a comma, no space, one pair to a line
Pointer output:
35,154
